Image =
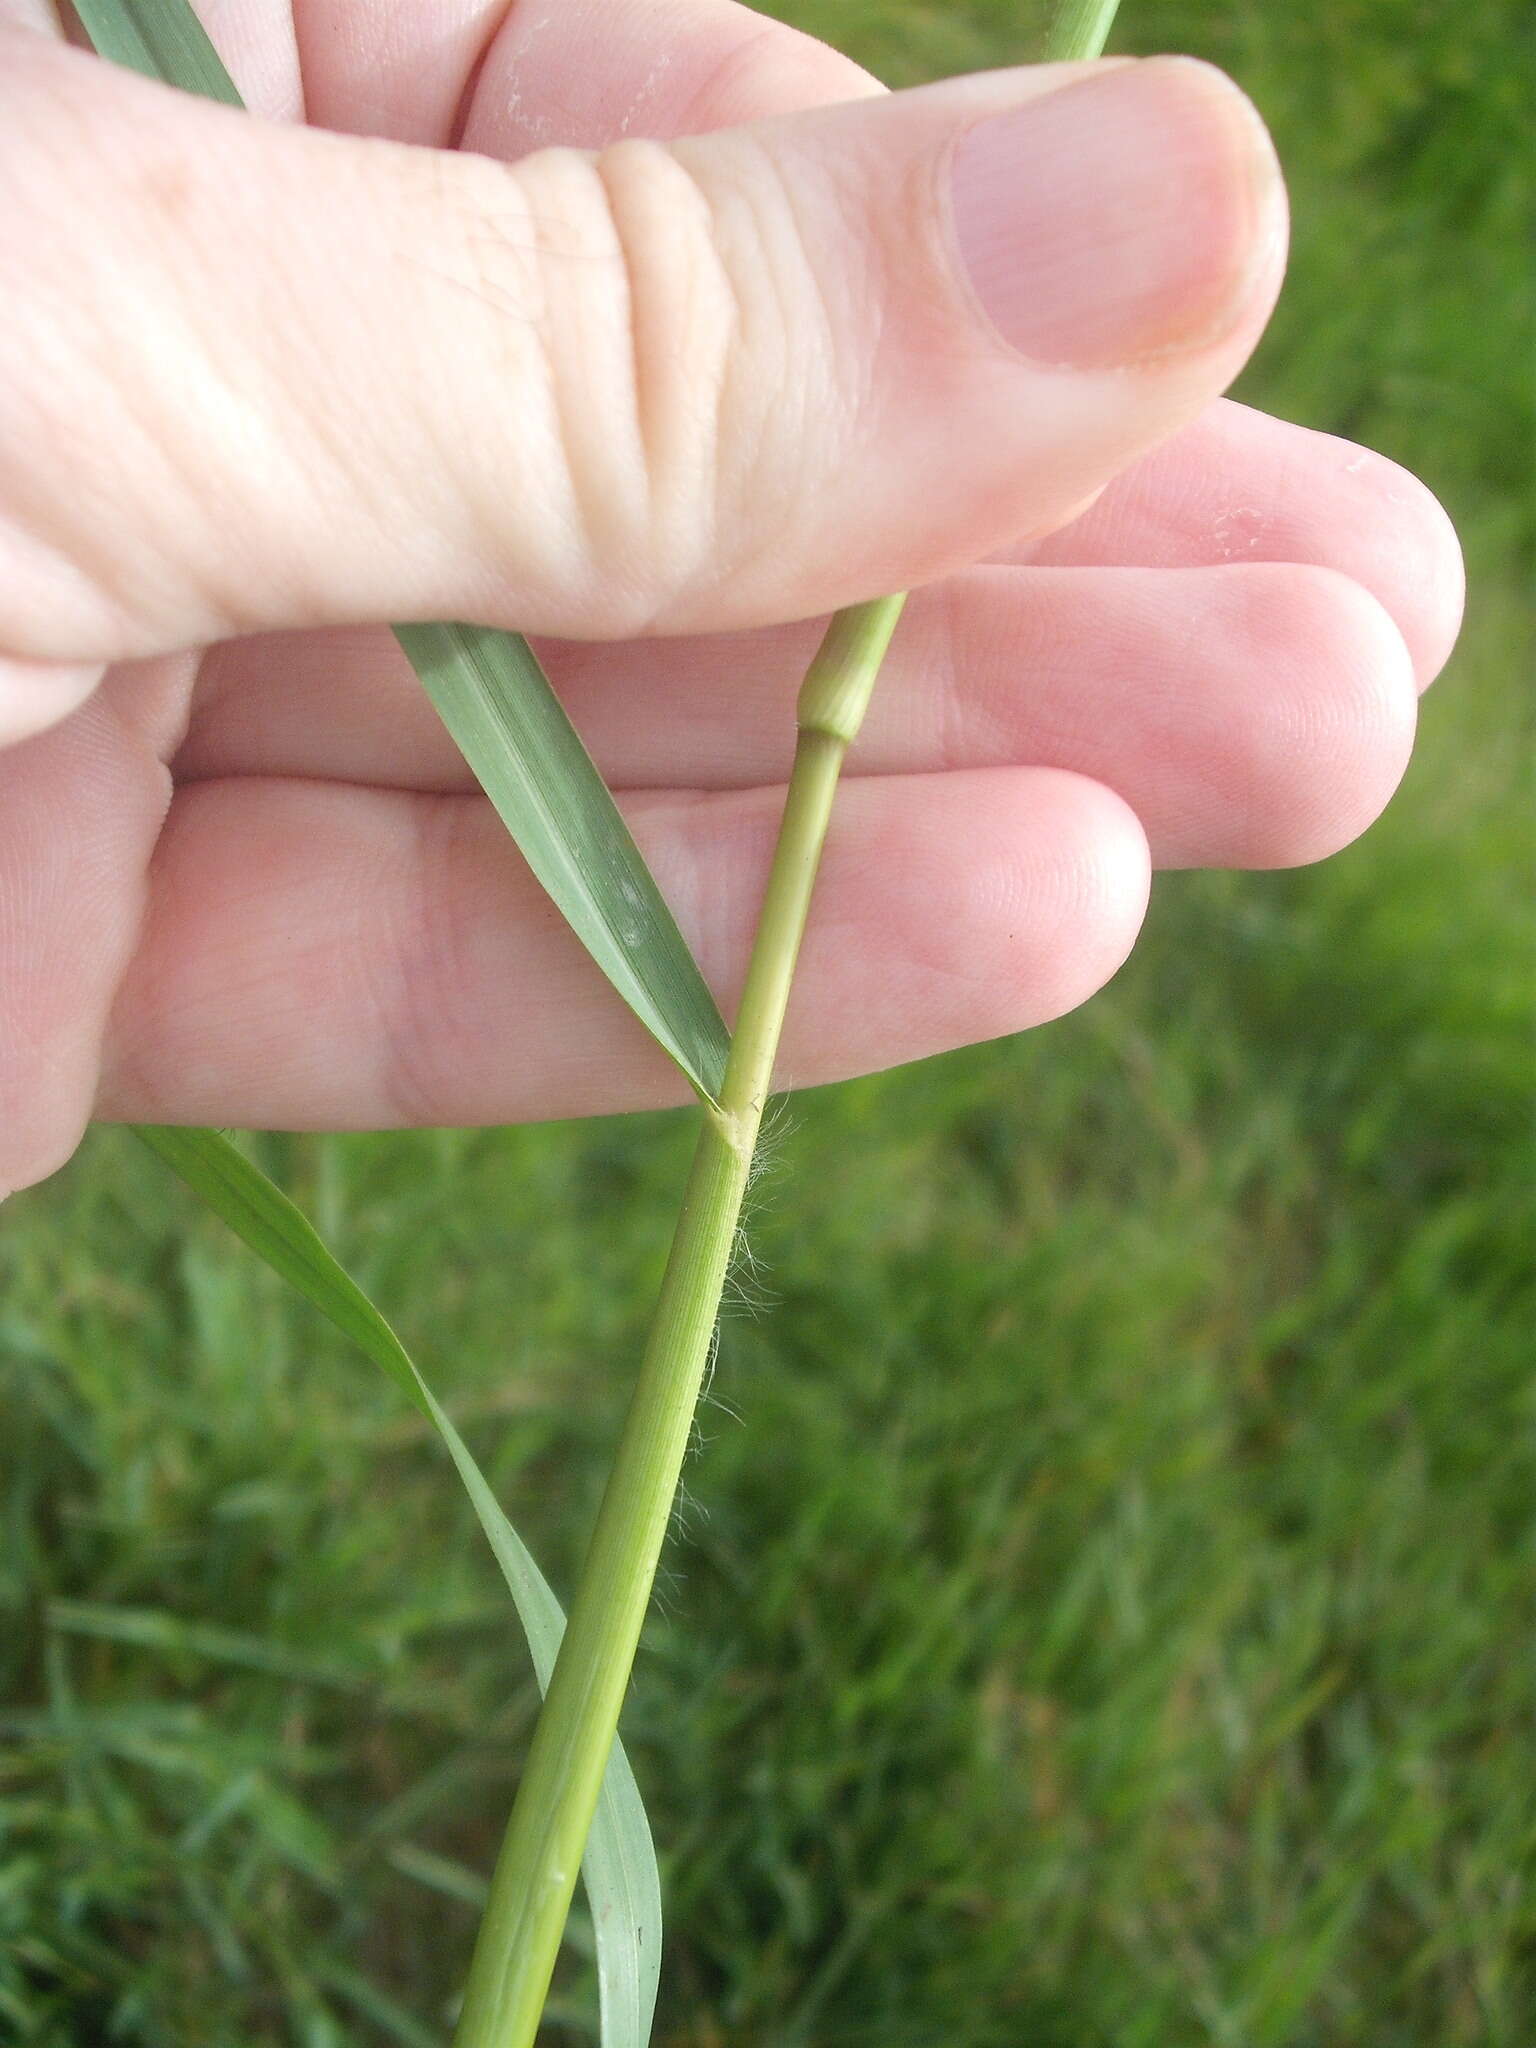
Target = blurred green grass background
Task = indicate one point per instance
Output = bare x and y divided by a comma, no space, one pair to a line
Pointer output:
1103,1612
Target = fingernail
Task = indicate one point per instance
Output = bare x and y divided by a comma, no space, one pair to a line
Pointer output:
1126,216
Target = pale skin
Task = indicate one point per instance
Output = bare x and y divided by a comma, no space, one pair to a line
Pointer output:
263,389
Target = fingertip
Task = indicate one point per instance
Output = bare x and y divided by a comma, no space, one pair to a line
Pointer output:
1134,214
1388,532
1326,758
1430,581
1095,873
29,1155
37,694
1018,893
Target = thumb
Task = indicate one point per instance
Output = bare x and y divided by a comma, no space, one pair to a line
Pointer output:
257,377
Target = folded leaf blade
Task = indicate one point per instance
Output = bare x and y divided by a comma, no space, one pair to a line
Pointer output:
513,731
619,1867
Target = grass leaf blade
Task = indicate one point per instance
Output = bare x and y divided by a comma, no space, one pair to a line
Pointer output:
279,1232
529,759
619,1867
162,40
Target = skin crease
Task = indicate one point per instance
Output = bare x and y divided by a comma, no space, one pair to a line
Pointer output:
252,885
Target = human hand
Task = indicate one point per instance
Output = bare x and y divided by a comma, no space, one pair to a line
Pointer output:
261,386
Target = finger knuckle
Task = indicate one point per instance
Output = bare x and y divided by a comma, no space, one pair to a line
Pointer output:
673,341
620,324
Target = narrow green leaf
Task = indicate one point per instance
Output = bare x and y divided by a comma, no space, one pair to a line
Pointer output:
163,39
512,729
278,1231
496,701
619,1867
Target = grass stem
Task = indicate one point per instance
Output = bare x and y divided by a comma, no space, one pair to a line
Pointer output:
540,1857
536,1871
1079,29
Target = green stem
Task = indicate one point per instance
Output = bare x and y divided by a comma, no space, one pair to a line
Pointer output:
536,1872
1079,29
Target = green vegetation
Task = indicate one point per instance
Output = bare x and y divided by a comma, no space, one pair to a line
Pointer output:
1108,1624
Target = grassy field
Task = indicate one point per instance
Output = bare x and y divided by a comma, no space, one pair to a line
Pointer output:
1102,1617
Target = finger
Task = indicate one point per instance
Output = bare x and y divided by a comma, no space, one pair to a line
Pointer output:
749,376
396,69
577,73
345,705
1237,486
333,957
79,810
259,47
1250,716
66,936
35,695
40,16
